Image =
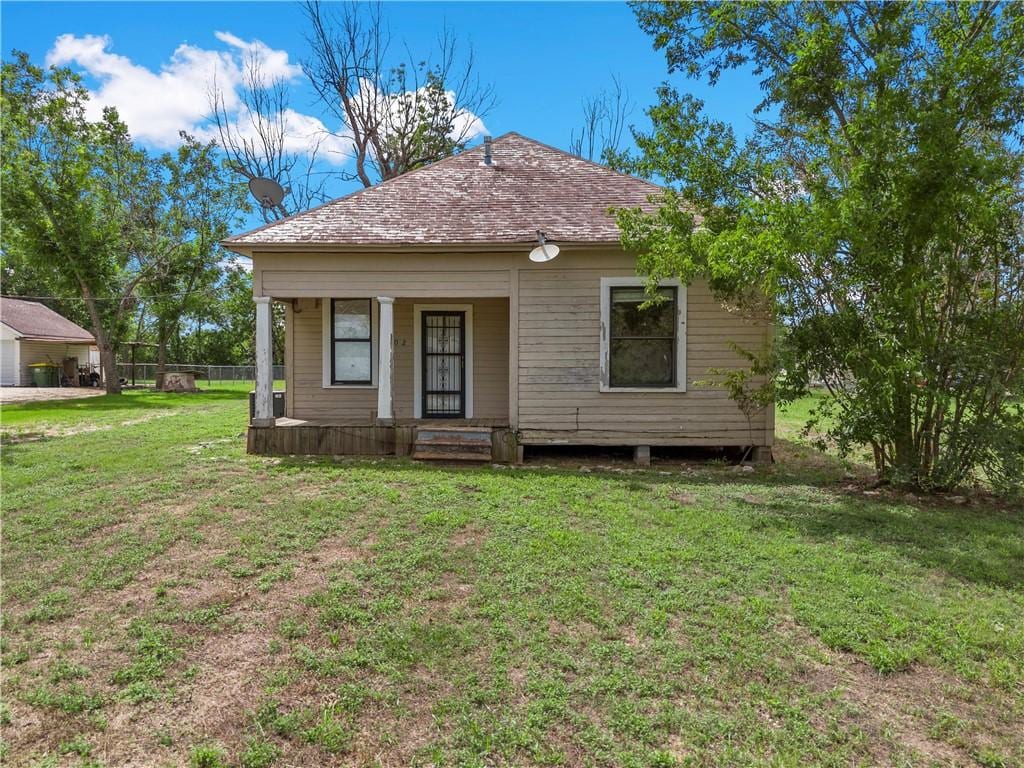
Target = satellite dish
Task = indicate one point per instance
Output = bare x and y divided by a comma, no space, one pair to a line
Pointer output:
545,251
269,194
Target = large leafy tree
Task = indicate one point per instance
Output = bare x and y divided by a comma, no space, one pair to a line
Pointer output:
216,326
231,339
224,331
70,185
88,214
197,205
875,211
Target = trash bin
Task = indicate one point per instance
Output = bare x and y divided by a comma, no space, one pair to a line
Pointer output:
278,401
45,374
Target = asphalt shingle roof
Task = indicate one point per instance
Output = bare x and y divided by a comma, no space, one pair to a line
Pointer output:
529,186
33,320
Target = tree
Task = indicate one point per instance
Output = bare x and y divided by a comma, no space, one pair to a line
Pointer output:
395,114
230,337
20,275
197,206
69,186
604,122
399,115
258,146
876,211
88,213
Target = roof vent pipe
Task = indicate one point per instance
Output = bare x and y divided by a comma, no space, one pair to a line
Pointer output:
487,150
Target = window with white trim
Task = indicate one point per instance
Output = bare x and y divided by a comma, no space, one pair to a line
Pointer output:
351,341
643,340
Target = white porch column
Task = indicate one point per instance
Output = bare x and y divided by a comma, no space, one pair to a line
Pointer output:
386,354
264,416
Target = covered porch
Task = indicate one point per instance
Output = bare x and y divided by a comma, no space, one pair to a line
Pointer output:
387,375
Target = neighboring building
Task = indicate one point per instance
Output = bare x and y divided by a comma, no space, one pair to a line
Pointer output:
414,314
33,333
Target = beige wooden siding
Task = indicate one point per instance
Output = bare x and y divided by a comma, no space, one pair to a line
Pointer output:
490,358
558,348
559,370
398,284
48,352
305,376
396,275
308,399
289,359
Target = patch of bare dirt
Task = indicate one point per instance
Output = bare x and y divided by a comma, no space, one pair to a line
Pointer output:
11,395
468,536
226,663
683,498
231,665
15,436
890,702
903,704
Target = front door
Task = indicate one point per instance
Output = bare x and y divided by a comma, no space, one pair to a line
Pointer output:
444,365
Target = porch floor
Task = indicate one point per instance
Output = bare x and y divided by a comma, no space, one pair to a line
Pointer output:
421,423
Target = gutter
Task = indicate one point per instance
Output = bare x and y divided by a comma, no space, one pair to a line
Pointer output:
57,339
249,249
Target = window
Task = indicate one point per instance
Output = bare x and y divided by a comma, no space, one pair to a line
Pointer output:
643,347
351,341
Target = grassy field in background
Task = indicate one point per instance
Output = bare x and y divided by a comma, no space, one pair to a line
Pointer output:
169,600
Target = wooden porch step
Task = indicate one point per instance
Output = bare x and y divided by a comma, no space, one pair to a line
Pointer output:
443,446
421,456
453,435
455,444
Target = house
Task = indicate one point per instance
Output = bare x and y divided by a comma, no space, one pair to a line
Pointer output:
416,322
32,333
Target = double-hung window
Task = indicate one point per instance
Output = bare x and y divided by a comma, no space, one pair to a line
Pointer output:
351,349
643,335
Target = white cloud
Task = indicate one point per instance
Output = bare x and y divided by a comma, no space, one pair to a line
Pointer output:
466,125
303,134
273,63
469,125
156,105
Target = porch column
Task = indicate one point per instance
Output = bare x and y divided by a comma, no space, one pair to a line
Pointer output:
264,415
386,356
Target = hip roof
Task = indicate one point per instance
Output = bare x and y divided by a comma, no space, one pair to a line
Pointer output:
529,186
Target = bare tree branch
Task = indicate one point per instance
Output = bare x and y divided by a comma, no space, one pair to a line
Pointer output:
255,139
604,121
399,113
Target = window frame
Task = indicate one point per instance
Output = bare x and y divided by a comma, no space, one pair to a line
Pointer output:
607,284
327,334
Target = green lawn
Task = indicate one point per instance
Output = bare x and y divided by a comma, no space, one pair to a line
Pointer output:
170,600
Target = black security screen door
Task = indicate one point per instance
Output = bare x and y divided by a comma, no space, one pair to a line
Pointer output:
444,365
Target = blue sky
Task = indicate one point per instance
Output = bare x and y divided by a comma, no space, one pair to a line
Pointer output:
542,58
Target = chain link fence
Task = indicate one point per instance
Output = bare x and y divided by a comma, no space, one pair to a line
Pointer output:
145,373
